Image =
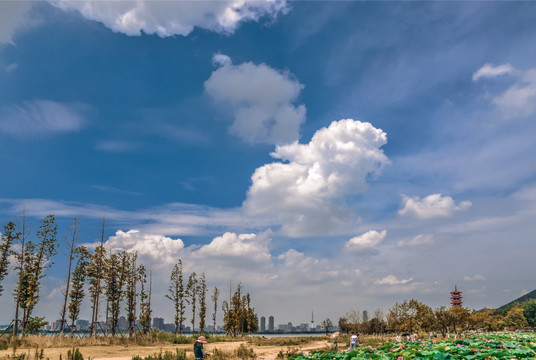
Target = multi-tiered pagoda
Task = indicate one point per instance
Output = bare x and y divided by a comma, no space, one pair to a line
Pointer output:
456,298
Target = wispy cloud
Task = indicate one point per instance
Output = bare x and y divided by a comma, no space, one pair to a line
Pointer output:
490,71
476,277
112,189
519,100
39,118
392,280
116,146
419,240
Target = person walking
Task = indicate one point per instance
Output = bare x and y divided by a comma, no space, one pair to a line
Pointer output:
353,341
199,351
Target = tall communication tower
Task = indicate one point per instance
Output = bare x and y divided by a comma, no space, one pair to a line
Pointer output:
312,320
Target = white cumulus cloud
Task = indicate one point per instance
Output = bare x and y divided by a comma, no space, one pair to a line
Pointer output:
419,240
40,118
306,194
175,17
392,280
238,248
158,249
489,71
431,206
261,98
365,241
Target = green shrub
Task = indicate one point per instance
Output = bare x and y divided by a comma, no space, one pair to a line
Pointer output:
75,354
4,344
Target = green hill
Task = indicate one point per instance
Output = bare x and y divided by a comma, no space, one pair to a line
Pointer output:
528,296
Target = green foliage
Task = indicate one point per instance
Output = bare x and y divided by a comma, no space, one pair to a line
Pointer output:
74,354
35,323
489,346
177,295
9,236
4,344
239,317
77,294
33,259
115,279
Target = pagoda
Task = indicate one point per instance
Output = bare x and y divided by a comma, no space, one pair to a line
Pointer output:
456,298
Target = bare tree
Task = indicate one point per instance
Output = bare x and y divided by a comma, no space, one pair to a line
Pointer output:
191,293
21,263
215,296
202,293
71,247
96,273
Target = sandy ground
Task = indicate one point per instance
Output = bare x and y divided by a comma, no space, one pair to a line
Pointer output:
126,352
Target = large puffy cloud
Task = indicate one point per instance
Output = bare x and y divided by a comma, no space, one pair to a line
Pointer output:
176,17
40,118
365,241
431,206
12,16
158,249
519,100
241,249
261,98
307,193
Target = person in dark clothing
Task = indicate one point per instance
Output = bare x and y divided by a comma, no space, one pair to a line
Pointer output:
199,352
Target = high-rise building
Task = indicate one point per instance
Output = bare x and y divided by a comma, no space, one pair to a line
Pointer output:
158,323
271,323
263,324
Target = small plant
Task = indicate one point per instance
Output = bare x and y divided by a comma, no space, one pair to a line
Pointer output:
74,355
290,352
244,353
218,354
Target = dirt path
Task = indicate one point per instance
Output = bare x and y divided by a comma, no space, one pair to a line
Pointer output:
126,352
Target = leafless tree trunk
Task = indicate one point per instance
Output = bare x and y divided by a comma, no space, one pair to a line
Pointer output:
71,246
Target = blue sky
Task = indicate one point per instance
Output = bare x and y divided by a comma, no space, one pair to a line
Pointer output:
330,155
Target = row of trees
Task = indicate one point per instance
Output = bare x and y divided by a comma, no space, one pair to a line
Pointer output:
414,316
113,278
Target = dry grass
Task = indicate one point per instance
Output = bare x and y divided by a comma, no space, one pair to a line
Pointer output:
124,349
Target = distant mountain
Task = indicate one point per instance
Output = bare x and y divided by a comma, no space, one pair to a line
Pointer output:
529,296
